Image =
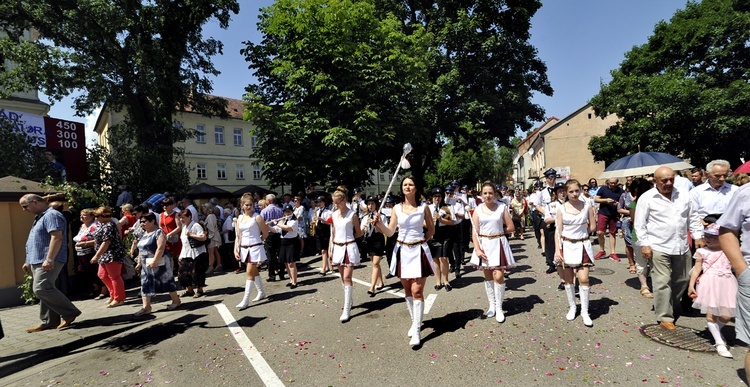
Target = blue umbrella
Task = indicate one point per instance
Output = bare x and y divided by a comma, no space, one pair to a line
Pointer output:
643,163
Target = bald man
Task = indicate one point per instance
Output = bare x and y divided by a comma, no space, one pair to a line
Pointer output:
662,219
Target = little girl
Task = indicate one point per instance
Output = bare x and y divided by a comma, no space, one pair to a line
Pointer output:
716,293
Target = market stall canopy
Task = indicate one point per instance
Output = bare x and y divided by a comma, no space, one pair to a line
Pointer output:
204,190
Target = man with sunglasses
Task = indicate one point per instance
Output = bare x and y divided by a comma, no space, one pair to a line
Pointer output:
46,255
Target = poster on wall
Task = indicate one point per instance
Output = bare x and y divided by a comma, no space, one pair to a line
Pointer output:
64,142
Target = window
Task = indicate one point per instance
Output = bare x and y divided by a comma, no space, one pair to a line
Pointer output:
254,141
237,137
239,171
219,135
221,171
201,169
179,126
200,136
257,171
382,176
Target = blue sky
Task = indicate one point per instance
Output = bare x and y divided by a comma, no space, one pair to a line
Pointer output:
579,40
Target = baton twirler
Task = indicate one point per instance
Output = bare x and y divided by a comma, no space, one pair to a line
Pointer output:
403,162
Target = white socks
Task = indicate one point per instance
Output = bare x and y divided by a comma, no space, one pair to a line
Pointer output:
721,346
417,323
246,298
570,292
489,288
347,304
259,284
584,293
499,294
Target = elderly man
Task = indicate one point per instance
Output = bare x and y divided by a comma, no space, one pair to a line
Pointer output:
662,219
713,196
46,254
608,197
736,219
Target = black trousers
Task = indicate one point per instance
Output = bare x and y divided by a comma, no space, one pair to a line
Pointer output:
457,257
465,235
536,221
272,245
549,245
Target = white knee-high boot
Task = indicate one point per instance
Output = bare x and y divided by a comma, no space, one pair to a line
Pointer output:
584,293
417,324
347,304
259,284
410,306
489,288
246,298
499,295
570,292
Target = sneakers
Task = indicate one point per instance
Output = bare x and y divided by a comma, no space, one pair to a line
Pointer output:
601,254
614,257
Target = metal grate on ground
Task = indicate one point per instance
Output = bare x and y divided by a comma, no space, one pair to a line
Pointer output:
682,337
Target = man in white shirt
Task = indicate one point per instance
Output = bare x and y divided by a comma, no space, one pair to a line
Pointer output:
542,201
713,196
662,219
457,208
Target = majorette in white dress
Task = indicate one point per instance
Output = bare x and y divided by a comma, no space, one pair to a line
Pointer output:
345,250
492,239
574,237
251,244
411,257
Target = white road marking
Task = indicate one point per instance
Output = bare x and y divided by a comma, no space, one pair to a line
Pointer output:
260,365
427,302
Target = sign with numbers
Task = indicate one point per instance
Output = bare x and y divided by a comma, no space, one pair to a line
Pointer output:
64,140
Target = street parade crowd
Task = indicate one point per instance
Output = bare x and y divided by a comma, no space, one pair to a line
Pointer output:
682,232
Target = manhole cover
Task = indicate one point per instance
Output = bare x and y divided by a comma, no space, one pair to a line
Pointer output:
682,337
603,271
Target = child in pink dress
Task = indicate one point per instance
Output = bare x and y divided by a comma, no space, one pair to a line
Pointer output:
716,293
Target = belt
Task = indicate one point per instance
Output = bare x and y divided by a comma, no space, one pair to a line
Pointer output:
257,244
573,240
491,236
410,244
343,244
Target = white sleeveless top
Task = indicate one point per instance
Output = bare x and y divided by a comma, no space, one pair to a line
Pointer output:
410,227
250,230
344,227
575,226
490,223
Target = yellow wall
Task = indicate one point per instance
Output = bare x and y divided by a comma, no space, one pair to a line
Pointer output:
566,144
14,230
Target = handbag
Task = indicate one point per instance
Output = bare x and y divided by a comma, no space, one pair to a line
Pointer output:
195,243
163,261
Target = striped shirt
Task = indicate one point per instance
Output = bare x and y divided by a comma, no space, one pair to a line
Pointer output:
37,246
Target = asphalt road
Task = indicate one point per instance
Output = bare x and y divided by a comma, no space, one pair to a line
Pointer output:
294,337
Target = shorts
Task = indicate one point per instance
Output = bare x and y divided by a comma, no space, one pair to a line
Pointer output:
742,320
604,222
627,233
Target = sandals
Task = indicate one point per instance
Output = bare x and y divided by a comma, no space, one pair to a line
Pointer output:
632,269
646,293
173,306
142,312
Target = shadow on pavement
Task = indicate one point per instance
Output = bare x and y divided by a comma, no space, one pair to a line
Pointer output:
600,307
519,305
517,283
463,282
594,281
249,321
375,304
451,322
155,334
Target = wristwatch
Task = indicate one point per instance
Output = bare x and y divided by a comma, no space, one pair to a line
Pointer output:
49,260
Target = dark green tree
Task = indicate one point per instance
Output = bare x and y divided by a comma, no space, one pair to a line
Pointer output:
686,92
148,59
343,84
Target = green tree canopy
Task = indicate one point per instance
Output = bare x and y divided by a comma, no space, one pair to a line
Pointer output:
685,92
343,84
146,58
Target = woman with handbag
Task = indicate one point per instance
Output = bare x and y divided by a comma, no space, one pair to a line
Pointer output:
109,254
193,256
214,238
85,242
169,222
575,221
155,266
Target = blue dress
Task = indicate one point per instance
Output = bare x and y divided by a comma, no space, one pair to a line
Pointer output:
161,278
